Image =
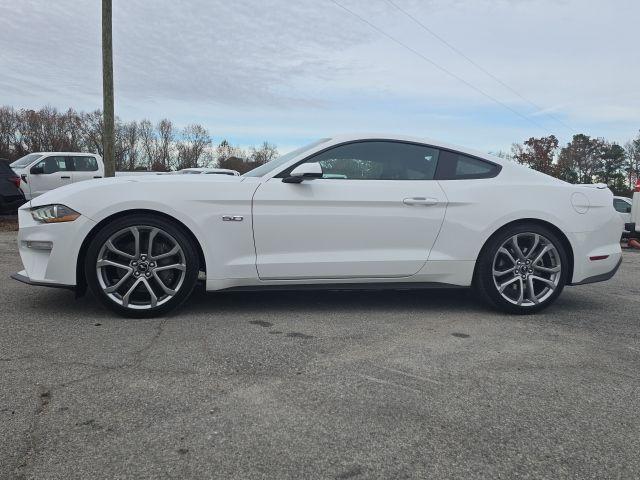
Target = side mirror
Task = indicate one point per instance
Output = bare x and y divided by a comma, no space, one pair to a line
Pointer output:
304,171
37,170
628,209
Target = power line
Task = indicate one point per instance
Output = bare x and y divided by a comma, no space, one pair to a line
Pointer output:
434,64
476,64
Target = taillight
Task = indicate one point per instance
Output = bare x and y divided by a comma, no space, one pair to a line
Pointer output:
15,181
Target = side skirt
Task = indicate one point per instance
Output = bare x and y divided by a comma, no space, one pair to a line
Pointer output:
344,286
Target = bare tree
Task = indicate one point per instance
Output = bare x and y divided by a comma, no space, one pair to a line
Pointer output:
165,144
149,144
130,145
91,127
9,123
192,146
632,167
264,154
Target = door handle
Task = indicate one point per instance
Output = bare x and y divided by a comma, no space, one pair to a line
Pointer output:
420,201
64,176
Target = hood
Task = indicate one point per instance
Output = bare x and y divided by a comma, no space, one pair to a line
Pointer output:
59,195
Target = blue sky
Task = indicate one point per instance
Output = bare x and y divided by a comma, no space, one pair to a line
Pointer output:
290,72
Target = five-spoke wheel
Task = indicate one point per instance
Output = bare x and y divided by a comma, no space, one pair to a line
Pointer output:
141,266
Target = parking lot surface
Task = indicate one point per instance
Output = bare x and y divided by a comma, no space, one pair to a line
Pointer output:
345,385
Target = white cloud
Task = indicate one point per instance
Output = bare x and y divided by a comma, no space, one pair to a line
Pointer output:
290,71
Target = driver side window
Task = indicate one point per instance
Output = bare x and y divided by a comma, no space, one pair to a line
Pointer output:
378,160
53,164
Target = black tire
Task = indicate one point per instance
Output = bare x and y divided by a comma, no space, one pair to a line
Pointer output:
487,287
165,229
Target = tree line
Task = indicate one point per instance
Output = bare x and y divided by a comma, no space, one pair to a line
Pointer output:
139,145
143,145
584,159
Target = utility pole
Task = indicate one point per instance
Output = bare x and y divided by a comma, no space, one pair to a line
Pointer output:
107,91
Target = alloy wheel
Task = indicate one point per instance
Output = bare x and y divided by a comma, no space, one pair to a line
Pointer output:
141,267
527,269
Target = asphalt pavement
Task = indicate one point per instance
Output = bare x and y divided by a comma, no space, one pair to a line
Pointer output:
320,385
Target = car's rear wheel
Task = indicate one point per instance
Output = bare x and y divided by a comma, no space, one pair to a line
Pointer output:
141,265
522,269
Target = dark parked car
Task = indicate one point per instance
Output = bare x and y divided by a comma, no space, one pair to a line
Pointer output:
11,197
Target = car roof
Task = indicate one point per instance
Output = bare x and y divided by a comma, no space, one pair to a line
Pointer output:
64,153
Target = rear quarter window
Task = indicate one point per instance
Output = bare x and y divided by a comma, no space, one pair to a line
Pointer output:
458,166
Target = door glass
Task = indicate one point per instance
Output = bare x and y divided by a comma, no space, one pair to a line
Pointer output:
620,205
378,160
54,164
84,164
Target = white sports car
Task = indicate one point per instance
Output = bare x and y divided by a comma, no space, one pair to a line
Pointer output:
345,212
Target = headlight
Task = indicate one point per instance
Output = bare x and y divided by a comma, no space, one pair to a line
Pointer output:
54,214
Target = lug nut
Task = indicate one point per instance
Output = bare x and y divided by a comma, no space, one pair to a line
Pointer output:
136,274
134,264
148,274
143,257
152,264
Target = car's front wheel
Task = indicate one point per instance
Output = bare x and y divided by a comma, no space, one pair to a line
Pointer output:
141,265
522,269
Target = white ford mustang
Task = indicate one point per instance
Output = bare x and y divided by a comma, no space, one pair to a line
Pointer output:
346,212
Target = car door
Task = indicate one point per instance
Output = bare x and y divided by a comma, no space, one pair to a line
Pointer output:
50,172
376,212
84,168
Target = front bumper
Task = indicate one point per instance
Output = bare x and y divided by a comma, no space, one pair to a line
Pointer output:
22,277
55,266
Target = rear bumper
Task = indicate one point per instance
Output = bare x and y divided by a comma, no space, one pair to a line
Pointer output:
22,277
602,277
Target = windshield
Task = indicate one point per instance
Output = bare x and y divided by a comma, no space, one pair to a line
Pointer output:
262,170
26,160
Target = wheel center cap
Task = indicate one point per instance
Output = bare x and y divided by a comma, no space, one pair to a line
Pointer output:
143,267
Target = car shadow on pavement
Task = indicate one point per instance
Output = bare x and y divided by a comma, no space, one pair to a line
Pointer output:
462,300
59,302
344,301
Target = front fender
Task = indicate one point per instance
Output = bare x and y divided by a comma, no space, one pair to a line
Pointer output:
199,205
